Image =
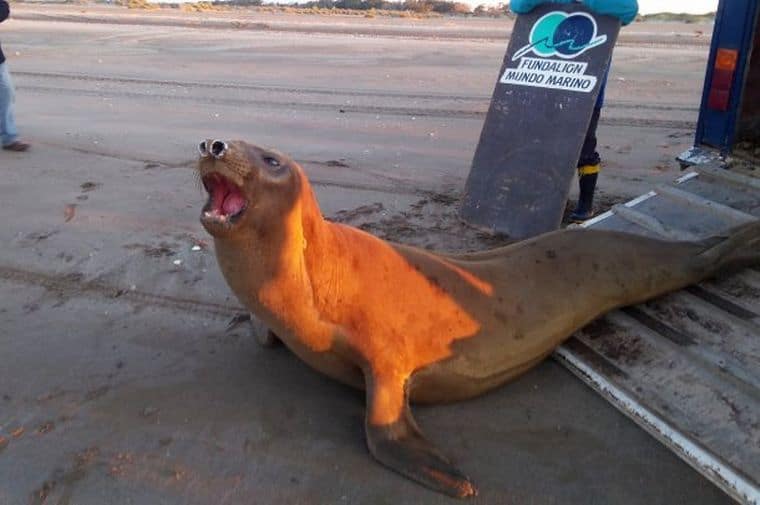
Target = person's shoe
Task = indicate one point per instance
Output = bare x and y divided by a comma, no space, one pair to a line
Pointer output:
581,215
17,146
587,176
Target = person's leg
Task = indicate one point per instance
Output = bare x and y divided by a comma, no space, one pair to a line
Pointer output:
589,155
588,171
589,163
8,132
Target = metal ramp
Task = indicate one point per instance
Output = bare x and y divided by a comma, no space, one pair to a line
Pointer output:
686,367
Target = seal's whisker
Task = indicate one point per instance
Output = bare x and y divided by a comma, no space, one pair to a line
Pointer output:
197,180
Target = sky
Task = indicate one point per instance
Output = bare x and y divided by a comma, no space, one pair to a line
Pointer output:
646,6
690,6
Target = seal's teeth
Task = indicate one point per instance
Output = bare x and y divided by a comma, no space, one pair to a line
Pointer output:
215,215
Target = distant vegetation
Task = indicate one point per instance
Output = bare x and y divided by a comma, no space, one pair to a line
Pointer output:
414,6
367,8
679,17
439,6
372,8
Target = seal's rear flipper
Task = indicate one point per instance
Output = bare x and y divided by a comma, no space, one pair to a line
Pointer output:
739,249
401,446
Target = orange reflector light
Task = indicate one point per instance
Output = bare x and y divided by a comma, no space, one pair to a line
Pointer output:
722,79
726,59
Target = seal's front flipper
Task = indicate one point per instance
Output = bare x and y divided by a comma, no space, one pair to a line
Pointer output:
395,440
268,339
402,447
264,335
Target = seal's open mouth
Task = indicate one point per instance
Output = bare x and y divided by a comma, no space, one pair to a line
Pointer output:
226,202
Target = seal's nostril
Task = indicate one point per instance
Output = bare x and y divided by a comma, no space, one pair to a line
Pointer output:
218,148
203,149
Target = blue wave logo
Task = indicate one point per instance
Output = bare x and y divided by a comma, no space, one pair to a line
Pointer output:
561,34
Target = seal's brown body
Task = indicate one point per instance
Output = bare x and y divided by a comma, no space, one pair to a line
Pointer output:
407,323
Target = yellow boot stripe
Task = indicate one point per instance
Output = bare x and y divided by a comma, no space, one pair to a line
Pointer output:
589,169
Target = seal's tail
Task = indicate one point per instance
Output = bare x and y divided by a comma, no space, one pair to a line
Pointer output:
739,248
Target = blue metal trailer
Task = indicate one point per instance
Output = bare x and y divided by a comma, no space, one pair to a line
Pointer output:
729,115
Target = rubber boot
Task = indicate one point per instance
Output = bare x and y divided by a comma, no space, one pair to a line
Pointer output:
587,176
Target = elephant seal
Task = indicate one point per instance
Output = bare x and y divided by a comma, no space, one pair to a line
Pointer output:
408,324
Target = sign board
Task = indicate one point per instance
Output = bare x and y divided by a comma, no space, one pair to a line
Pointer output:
534,130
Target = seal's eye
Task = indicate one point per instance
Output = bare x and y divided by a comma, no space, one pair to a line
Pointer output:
272,162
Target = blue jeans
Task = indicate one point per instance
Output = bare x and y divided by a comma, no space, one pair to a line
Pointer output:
8,132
